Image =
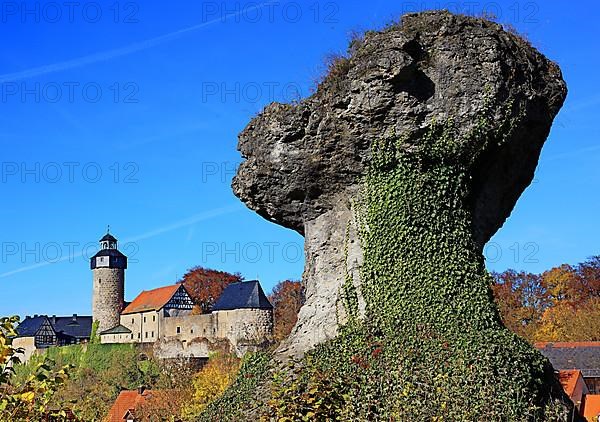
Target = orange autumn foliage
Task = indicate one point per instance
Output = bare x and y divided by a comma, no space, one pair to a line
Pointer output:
205,286
561,304
287,298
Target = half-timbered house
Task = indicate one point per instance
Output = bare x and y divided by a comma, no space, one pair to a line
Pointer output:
42,331
143,320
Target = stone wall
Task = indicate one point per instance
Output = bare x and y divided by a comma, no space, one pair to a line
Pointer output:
236,331
107,296
187,328
243,325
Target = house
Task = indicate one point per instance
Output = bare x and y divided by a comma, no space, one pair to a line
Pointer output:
128,402
241,316
578,364
583,355
143,320
41,331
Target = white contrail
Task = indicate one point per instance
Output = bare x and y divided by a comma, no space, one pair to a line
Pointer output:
118,52
174,226
186,222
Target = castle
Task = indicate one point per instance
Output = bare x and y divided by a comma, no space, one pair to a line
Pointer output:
241,320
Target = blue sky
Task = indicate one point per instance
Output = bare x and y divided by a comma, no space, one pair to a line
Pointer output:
127,114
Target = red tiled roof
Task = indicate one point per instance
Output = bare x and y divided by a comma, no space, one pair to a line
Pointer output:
591,407
127,401
151,300
568,379
573,344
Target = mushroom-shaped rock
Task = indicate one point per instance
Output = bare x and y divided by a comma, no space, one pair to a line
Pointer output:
410,155
305,162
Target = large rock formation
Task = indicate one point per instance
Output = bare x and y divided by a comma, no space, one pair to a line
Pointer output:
305,162
407,159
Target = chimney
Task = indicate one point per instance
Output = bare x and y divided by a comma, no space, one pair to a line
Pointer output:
74,317
53,319
141,390
27,317
35,315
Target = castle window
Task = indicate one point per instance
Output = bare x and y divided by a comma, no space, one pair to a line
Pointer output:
132,320
192,331
139,334
132,336
152,334
144,319
146,334
153,318
178,330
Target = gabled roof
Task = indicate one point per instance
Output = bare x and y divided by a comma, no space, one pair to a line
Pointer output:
584,356
77,326
125,403
243,295
119,329
568,379
152,300
30,326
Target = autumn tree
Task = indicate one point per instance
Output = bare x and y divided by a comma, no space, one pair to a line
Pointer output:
211,382
521,299
589,274
563,284
205,285
287,298
566,322
561,304
163,405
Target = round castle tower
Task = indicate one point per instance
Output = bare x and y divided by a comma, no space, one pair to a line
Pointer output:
108,295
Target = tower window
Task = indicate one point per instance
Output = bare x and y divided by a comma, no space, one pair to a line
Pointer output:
178,330
153,318
146,334
132,320
152,334
144,319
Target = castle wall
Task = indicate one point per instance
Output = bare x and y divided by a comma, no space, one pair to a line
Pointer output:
237,331
187,328
107,296
244,324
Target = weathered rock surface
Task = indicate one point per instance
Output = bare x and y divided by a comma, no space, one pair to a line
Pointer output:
304,162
